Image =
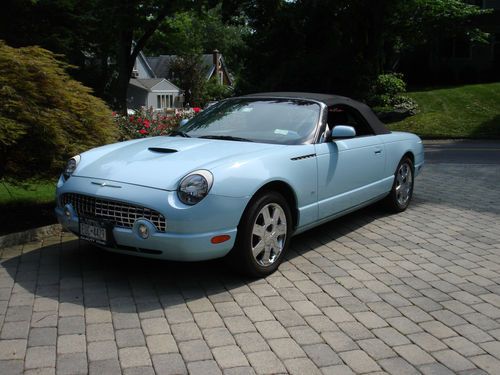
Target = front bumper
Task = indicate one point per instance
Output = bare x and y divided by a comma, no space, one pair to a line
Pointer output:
189,229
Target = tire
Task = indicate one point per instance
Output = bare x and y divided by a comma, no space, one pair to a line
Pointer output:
401,193
263,235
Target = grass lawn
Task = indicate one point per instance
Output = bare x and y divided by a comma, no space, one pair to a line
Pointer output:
27,193
470,111
26,206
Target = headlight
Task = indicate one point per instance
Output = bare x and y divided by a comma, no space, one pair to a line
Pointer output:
194,187
71,166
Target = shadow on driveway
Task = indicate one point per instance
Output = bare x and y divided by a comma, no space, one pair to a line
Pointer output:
78,273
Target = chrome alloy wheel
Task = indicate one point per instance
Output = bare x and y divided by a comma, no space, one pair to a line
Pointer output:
268,234
404,183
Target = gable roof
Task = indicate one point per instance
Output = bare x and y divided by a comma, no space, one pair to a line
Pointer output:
146,65
161,65
149,84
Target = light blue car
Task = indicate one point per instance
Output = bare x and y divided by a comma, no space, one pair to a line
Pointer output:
239,179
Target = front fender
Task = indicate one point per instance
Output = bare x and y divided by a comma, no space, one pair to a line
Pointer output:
295,166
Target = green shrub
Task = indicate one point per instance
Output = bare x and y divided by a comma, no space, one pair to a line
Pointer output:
45,116
386,95
385,88
214,91
406,104
147,123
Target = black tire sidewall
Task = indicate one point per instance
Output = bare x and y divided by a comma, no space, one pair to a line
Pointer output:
245,228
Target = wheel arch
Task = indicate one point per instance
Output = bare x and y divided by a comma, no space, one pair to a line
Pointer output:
411,156
286,191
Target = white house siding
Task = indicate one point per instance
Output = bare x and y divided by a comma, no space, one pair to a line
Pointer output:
142,70
164,88
144,89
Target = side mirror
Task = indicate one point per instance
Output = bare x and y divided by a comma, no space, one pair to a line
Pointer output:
343,131
183,122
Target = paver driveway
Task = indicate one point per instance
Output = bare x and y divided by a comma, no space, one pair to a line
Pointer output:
371,292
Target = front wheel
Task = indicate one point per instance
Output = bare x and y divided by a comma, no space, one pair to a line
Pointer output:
263,235
402,189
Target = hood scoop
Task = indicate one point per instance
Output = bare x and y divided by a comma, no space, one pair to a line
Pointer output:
162,150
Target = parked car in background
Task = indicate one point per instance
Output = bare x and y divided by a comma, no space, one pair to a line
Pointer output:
239,180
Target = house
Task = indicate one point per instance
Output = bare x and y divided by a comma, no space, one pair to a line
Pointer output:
149,85
146,89
213,65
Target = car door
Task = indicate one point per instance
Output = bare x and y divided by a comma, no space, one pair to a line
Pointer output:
349,170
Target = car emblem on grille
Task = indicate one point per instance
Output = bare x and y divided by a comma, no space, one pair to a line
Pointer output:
105,184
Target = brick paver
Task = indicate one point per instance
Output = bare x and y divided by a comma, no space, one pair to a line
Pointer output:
417,292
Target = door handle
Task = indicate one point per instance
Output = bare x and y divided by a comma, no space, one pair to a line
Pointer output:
378,151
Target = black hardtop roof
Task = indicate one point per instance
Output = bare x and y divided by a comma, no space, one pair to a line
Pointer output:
330,100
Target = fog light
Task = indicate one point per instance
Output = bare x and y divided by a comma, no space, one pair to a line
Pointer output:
143,231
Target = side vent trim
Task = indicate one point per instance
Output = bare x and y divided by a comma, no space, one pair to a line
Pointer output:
303,157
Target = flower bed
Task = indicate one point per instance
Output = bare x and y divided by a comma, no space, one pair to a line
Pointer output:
145,122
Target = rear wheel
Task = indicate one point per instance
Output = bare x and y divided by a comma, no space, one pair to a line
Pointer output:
263,235
402,189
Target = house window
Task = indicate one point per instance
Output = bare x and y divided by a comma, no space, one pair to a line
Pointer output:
491,4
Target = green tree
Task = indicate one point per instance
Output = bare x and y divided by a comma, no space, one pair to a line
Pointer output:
45,116
214,91
202,30
190,33
188,72
101,37
340,45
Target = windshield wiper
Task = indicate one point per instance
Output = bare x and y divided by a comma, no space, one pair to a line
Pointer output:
175,133
226,138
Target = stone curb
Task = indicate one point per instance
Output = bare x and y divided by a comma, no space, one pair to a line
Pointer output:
448,141
19,238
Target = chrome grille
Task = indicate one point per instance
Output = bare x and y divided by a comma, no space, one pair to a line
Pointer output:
120,214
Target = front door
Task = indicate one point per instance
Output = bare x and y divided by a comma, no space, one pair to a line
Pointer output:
349,173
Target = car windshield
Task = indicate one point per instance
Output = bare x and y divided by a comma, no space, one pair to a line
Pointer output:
280,121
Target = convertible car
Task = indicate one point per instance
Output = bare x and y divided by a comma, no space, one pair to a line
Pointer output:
238,180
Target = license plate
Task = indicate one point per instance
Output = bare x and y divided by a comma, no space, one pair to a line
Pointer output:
94,231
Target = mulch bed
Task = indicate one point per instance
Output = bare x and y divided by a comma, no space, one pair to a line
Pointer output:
20,217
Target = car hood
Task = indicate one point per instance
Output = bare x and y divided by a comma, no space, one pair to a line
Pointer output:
160,162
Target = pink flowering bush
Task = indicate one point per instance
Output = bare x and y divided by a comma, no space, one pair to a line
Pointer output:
148,123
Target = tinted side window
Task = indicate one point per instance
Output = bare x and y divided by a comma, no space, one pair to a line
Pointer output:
345,115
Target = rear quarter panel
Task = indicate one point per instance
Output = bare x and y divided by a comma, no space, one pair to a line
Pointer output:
397,144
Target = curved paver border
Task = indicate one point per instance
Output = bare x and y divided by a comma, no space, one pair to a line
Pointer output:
20,238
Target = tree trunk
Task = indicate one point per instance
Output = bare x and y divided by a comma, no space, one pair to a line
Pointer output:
128,52
124,68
